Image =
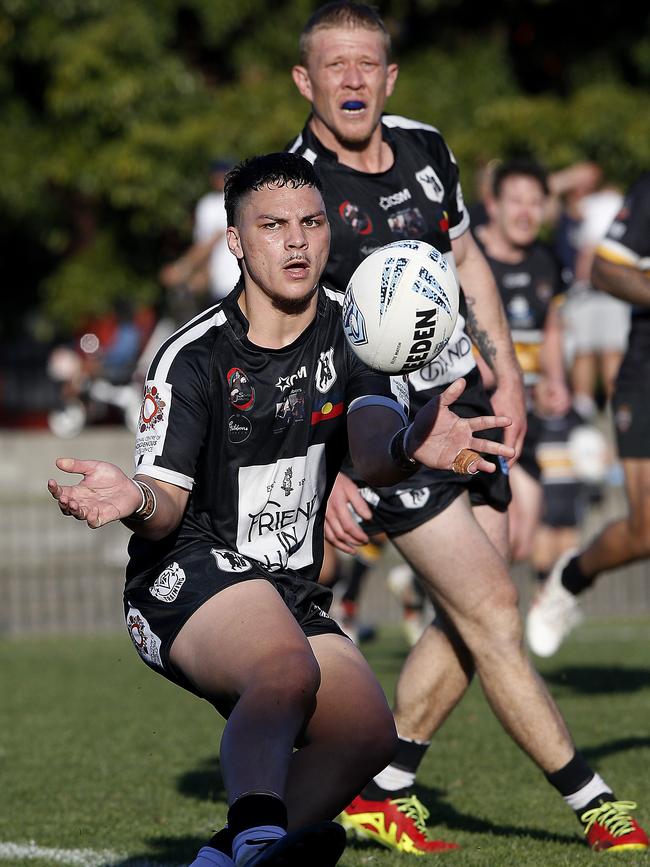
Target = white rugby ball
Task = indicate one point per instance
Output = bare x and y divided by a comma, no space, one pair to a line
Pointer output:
400,306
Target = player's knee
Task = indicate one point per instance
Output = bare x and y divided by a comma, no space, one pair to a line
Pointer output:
497,621
374,744
639,533
293,678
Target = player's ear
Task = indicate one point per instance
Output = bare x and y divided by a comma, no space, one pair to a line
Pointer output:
234,242
391,77
302,81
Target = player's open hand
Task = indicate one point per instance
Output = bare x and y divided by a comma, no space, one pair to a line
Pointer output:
437,434
104,494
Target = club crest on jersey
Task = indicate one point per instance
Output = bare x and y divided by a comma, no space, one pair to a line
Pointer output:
430,183
356,219
230,561
354,324
286,485
240,388
152,408
146,642
325,371
168,584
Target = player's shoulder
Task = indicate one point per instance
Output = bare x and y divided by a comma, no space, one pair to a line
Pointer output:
192,343
414,130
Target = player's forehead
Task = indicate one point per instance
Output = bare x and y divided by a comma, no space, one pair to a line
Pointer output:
326,43
283,201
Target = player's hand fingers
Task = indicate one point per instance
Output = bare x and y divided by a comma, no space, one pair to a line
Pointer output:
74,465
337,543
487,422
453,392
492,448
346,527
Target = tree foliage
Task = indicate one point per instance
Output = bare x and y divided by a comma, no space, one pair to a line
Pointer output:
113,108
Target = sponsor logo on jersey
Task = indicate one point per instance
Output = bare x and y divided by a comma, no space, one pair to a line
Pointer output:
356,219
325,371
354,324
399,387
327,411
230,561
239,428
387,202
152,410
168,584
289,411
414,498
408,223
145,640
241,391
286,382
430,183
276,513
423,334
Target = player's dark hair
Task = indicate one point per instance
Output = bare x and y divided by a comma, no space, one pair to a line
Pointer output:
279,170
526,167
342,13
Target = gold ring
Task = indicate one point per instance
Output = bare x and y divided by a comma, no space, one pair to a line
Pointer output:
464,460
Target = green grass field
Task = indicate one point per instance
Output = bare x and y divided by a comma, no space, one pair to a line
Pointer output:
105,764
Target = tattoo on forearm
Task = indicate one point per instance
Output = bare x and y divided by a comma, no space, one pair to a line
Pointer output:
479,335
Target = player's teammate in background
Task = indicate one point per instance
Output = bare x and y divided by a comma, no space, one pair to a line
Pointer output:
621,267
529,282
227,510
386,178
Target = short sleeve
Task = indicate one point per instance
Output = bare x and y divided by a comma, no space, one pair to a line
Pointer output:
367,387
627,241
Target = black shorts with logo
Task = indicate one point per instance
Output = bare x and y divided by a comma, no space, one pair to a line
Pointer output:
631,406
427,493
156,606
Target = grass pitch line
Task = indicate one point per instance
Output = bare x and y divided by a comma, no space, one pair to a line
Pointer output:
73,857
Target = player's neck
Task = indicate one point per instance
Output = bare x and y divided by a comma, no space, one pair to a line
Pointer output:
269,326
372,157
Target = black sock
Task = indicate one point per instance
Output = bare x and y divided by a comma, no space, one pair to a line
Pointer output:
407,758
256,808
574,579
572,777
222,841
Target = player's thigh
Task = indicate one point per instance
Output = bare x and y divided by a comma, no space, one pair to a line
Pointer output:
458,563
350,705
238,635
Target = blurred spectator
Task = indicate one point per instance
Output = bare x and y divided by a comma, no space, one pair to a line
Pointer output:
597,324
207,271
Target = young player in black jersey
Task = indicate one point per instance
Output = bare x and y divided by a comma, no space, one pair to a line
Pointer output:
388,177
621,267
227,511
529,283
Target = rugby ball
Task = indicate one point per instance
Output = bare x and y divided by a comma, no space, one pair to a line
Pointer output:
400,306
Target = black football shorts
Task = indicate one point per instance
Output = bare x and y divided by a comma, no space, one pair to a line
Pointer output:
157,606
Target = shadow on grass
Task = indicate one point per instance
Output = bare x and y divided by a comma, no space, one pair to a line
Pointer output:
610,747
165,852
599,679
204,783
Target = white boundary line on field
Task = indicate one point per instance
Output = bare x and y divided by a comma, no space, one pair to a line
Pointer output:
73,857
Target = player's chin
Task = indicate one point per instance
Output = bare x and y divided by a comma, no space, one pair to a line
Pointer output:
296,299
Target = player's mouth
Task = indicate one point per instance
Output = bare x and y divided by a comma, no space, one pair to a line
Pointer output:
353,107
297,268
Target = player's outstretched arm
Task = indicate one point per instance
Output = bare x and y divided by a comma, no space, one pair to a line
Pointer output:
107,494
385,453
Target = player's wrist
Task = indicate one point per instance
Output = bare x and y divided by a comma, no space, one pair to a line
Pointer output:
400,452
147,508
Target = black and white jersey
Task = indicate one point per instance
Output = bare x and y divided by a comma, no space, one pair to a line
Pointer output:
257,435
527,290
418,197
627,242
